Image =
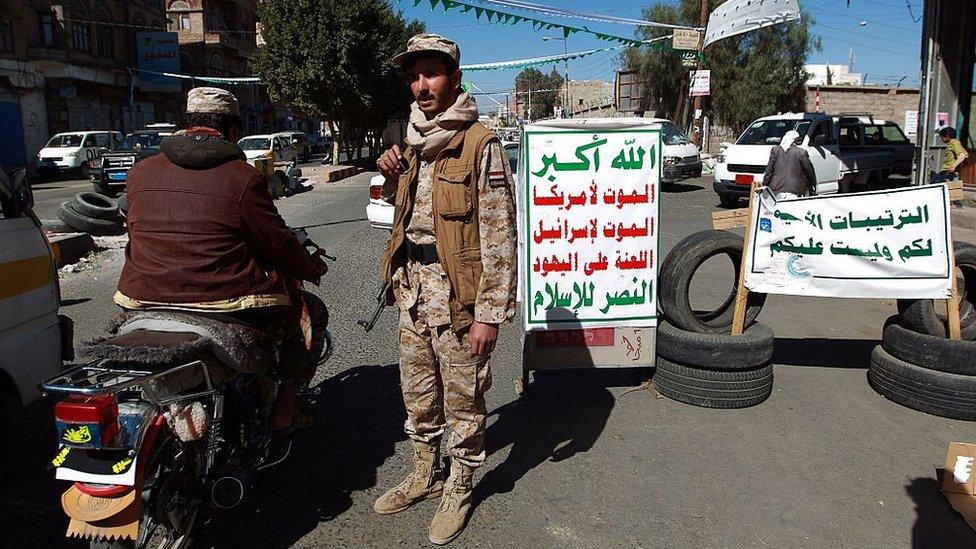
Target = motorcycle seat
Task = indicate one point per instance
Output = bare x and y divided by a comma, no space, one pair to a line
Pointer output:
162,337
151,338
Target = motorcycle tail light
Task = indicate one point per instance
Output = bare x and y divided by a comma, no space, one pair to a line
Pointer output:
87,421
375,192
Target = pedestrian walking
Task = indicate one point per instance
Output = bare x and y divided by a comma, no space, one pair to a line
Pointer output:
789,172
451,267
955,155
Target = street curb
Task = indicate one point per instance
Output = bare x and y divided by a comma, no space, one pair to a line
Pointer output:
69,248
341,173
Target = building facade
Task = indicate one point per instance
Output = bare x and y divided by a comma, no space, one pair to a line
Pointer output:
217,38
64,66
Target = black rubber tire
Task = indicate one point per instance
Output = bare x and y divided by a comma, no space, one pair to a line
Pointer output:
919,314
930,391
713,388
92,226
930,352
96,206
124,205
56,226
717,351
679,267
728,200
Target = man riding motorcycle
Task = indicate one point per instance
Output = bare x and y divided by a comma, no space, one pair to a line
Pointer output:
205,237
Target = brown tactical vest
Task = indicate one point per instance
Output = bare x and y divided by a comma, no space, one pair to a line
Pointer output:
455,205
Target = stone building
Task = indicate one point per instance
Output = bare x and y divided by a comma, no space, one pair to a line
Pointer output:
63,67
217,38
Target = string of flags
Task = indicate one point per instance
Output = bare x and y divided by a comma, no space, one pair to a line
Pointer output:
503,17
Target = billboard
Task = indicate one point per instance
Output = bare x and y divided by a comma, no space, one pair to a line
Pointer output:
158,52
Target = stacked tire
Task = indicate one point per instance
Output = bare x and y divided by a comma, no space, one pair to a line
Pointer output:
927,373
714,370
91,213
699,361
917,366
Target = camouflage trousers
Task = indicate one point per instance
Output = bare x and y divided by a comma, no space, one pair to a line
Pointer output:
443,385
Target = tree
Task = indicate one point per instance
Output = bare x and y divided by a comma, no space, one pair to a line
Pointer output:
333,58
545,90
753,74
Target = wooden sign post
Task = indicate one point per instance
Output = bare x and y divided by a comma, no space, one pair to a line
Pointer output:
731,219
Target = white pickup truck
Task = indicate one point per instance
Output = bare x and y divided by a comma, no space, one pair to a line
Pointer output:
847,152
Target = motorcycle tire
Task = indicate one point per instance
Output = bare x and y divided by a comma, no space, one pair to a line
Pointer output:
152,493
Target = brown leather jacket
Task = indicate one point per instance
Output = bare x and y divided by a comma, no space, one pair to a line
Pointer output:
204,232
456,228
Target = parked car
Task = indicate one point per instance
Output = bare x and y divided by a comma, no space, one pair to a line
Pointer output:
107,172
888,136
681,157
320,143
276,146
301,143
841,159
380,212
68,152
34,339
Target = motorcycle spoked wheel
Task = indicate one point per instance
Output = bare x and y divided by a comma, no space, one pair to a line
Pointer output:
172,497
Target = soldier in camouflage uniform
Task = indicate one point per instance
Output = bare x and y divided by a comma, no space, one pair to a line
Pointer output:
452,268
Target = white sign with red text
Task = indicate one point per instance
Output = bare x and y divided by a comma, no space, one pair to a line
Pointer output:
590,226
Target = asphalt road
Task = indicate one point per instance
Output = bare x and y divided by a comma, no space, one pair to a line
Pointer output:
825,462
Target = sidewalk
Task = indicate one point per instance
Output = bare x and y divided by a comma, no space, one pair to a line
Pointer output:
964,218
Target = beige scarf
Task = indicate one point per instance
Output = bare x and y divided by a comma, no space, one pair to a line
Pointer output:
430,136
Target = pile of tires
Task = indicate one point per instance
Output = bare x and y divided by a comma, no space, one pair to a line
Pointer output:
92,213
917,366
920,315
927,373
699,361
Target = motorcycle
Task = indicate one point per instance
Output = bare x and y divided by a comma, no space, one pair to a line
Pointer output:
169,422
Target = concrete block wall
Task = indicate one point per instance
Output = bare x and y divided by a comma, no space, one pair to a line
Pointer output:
883,102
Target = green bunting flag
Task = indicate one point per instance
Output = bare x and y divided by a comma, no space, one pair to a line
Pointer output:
496,16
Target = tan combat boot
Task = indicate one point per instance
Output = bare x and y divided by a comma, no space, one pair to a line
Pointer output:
424,482
452,514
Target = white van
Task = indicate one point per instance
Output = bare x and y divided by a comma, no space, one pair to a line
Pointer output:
70,150
34,340
682,159
276,146
841,157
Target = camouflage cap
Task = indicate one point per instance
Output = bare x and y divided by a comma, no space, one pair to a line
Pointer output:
420,43
211,101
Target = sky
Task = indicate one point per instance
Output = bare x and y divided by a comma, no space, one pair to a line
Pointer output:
883,34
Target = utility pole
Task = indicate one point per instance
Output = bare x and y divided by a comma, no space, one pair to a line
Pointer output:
699,130
569,103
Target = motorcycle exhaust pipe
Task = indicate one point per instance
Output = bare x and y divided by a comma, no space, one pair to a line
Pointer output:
227,492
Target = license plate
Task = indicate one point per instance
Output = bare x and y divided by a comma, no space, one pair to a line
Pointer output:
117,176
743,179
589,337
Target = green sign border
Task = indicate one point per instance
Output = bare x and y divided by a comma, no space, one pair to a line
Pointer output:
945,206
525,223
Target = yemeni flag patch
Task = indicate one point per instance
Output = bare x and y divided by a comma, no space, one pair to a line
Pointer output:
496,178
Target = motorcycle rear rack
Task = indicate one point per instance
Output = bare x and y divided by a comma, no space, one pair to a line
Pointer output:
97,378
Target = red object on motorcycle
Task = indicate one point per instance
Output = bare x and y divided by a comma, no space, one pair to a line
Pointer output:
376,192
80,418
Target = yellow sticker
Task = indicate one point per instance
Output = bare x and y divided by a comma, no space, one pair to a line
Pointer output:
62,455
78,435
122,465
